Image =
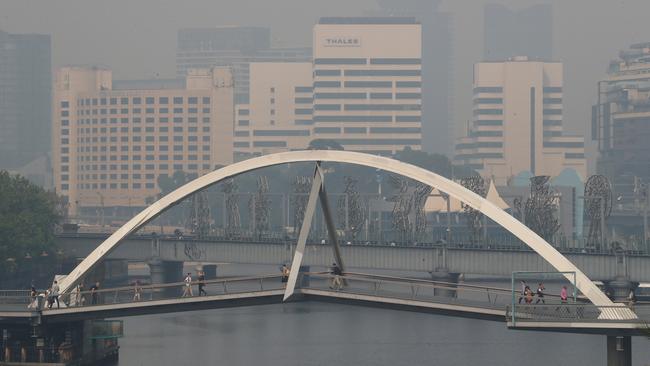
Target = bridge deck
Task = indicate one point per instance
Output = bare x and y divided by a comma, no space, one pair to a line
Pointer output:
487,303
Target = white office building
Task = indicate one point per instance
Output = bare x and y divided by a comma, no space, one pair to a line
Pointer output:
367,83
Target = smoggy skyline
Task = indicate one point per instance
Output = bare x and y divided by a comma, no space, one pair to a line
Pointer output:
137,39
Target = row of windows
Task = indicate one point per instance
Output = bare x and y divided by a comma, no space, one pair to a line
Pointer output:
488,100
486,134
162,110
147,157
350,95
564,144
364,61
480,156
281,133
164,138
479,144
380,119
138,100
554,112
574,156
104,130
367,73
366,107
138,148
367,84
550,122
488,111
130,167
488,89
488,122
104,121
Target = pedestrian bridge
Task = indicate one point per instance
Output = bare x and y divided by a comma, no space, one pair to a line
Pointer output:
436,297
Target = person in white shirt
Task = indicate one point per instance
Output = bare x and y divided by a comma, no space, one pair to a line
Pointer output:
187,289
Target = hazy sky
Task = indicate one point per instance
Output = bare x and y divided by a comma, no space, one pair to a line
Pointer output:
137,38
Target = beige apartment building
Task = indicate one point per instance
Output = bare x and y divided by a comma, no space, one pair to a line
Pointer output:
278,117
113,139
517,125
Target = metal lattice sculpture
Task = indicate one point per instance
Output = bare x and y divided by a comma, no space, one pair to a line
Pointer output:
300,187
233,223
199,218
474,217
541,207
422,192
260,206
351,210
598,207
402,207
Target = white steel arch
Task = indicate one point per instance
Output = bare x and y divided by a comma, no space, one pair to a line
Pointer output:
530,238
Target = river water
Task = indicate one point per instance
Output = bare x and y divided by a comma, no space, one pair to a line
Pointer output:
317,333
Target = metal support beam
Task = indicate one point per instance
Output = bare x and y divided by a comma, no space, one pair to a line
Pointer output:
316,186
331,228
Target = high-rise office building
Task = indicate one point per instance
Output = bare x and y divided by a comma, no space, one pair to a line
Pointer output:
278,117
25,98
517,124
113,139
621,120
367,83
234,47
525,32
438,129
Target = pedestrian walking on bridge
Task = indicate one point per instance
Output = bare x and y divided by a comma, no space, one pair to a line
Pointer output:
187,288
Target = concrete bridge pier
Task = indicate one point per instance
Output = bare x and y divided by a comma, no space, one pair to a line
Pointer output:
443,275
619,350
165,272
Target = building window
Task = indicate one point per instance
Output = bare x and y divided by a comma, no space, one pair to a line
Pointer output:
178,100
192,100
163,100
65,104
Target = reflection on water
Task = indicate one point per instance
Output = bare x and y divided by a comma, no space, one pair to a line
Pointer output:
314,333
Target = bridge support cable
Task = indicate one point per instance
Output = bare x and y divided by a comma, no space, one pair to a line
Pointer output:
316,187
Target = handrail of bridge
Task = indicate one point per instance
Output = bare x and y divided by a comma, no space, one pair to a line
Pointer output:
578,313
410,289
454,285
148,292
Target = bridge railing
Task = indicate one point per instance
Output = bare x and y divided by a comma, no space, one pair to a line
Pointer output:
142,293
578,313
411,289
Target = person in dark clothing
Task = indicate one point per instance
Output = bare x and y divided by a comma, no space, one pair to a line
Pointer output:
336,279
540,293
202,284
94,296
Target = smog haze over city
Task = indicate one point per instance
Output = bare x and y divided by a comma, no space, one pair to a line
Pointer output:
301,182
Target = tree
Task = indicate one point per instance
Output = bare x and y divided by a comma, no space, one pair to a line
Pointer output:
28,217
437,163
324,144
167,184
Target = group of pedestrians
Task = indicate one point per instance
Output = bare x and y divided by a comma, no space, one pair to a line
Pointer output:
527,294
188,282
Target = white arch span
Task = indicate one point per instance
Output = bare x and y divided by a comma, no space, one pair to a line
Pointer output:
534,241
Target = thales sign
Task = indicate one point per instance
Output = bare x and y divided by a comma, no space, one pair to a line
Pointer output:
342,41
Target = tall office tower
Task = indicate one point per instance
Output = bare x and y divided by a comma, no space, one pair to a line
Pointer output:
621,120
278,117
235,47
526,32
113,139
517,123
437,87
367,83
25,98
